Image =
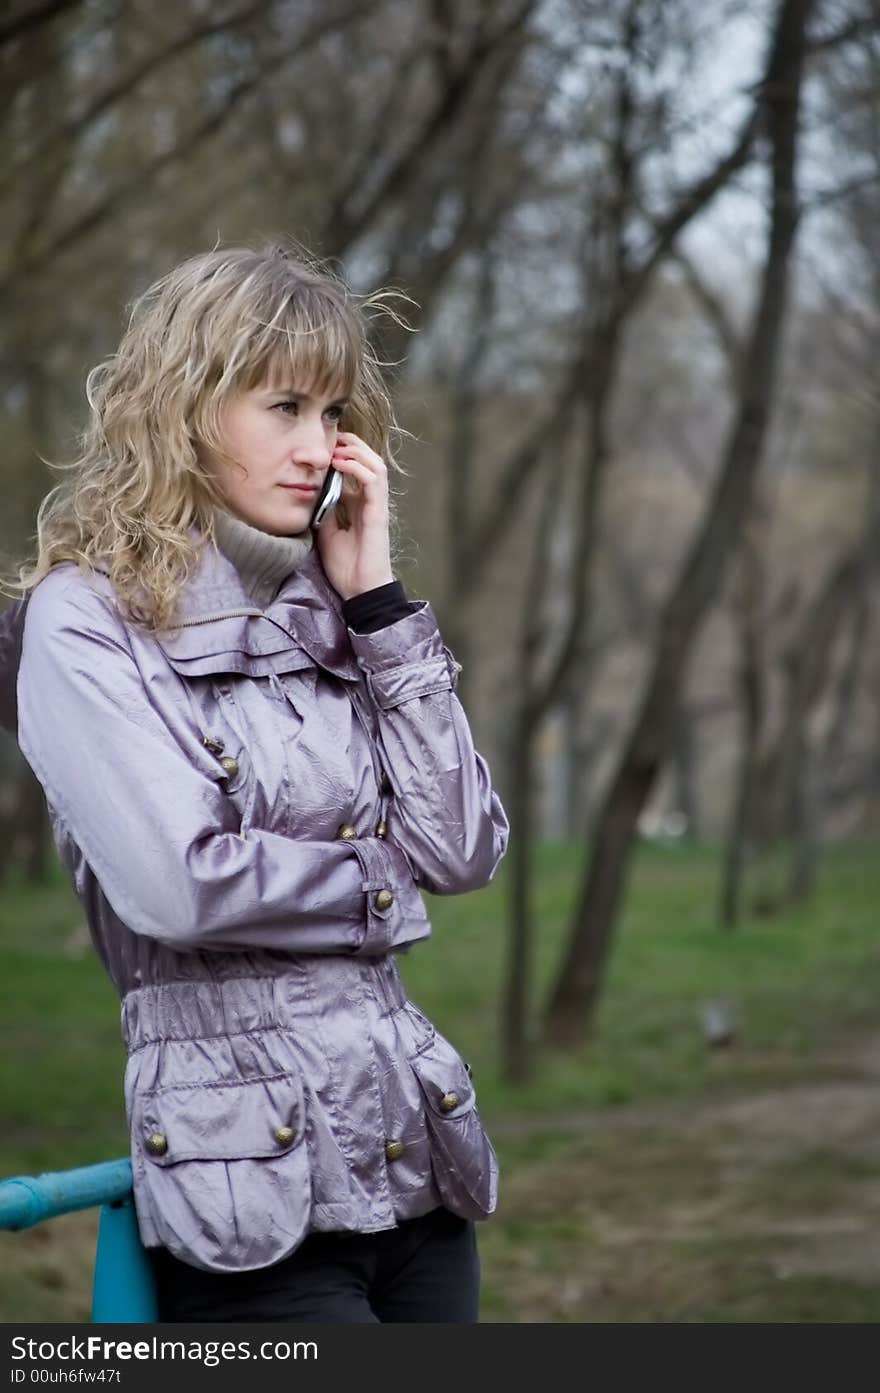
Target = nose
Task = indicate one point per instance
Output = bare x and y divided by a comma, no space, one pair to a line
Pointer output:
313,442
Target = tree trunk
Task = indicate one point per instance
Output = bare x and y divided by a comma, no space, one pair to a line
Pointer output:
461,471
516,1051
583,745
781,770
521,760
751,683
576,990
33,834
684,764
805,828
736,857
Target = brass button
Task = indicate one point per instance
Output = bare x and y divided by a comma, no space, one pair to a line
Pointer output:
157,1144
394,1150
230,765
449,1102
215,746
347,833
284,1135
382,830
384,899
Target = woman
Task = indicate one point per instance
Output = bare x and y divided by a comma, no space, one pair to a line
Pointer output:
254,761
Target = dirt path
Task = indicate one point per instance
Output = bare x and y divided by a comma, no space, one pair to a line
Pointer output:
764,1206
701,1210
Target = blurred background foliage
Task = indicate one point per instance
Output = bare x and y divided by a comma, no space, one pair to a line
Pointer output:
641,238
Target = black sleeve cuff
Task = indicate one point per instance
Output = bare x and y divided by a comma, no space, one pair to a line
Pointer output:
376,609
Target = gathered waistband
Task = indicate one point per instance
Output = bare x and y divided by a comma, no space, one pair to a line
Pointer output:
240,1005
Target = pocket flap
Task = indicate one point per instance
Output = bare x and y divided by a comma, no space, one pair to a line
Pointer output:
281,658
444,1079
222,1121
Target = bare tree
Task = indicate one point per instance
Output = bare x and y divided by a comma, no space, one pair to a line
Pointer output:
752,588
614,278
578,982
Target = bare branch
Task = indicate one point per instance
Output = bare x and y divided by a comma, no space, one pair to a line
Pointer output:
120,89
347,218
32,19
692,202
493,525
141,181
715,310
860,28
480,212
824,197
124,86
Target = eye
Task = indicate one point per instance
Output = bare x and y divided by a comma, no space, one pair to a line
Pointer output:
292,407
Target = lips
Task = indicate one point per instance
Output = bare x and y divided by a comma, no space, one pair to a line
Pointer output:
305,489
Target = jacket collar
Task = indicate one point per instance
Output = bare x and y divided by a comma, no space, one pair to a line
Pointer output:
309,611
222,630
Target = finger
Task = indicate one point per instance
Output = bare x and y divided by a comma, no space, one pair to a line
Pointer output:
374,471
346,464
356,449
356,469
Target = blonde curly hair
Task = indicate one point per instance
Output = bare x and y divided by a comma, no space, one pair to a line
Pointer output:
218,324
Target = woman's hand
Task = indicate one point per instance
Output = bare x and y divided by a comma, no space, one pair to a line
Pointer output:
359,558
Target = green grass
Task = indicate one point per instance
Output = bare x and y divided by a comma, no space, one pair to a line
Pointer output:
800,980
577,1177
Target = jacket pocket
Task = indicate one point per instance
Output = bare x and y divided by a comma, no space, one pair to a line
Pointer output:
463,1160
221,1170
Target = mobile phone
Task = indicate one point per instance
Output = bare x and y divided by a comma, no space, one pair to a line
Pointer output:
328,497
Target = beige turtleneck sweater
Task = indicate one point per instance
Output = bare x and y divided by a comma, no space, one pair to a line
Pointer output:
262,560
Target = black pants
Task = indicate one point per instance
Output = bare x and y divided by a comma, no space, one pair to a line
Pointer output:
426,1269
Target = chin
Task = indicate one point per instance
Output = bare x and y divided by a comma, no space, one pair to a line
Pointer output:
286,523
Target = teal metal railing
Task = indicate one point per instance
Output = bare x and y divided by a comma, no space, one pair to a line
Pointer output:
123,1288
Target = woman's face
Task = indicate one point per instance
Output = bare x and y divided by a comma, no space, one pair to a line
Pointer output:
280,443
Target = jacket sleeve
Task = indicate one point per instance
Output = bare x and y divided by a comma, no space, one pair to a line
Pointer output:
144,803
443,812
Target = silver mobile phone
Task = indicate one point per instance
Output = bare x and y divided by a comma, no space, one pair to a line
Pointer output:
329,496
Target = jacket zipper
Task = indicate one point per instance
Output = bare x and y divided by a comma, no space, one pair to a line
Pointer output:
223,614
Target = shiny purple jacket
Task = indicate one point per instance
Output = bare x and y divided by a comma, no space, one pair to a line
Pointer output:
249,807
